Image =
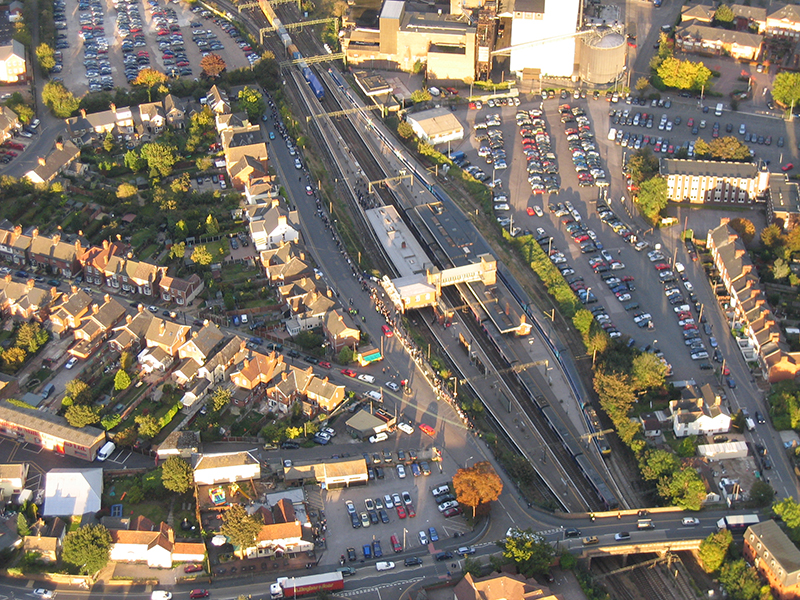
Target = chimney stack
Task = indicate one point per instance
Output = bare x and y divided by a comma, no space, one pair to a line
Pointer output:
83,113
59,146
42,161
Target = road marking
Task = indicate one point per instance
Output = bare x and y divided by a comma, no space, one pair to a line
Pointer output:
375,588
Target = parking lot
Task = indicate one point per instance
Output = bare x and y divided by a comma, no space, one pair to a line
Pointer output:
378,518
98,41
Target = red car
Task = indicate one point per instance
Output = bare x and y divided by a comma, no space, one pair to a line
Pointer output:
530,212
349,372
627,278
325,364
401,512
427,429
410,510
787,167
194,594
387,331
192,568
452,512
661,266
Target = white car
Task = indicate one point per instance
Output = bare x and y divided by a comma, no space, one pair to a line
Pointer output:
690,522
682,308
445,505
384,565
35,123
43,593
392,386
369,504
222,183
406,498
71,363
655,256
423,538
367,378
502,206
161,595
688,285
538,211
351,508
379,437
387,501
405,428
401,471
298,164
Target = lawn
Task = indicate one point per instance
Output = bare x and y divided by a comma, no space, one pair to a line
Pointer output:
152,509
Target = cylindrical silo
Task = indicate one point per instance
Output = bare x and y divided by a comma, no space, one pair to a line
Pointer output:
602,56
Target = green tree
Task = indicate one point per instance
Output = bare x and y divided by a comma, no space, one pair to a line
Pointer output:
178,250
220,398
684,489
292,433
761,494
786,88
472,566
31,336
212,65
149,78
741,581
477,486
181,184
582,321
79,391
109,143
642,165
81,415
772,237
252,102
108,422
529,551
86,550
125,360
59,99
702,149
420,95
240,528
126,437
780,269
148,426
176,475
404,130
683,74
652,197
724,14
744,227
642,83
714,549
134,161
17,104
14,357
658,463
122,380
212,225
788,510
46,57
203,163
160,157
346,356
201,256
728,148
647,371
126,190
23,528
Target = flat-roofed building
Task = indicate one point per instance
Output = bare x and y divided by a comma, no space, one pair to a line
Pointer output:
783,201
709,181
49,431
333,473
436,126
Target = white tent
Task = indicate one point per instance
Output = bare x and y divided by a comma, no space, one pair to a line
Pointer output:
71,492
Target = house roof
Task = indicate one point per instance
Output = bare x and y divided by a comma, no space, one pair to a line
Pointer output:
51,424
72,492
755,13
137,271
501,586
697,31
134,328
280,531
98,256
75,303
172,104
701,12
179,284
224,459
166,333
786,12
774,539
205,340
340,324
12,471
62,154
15,49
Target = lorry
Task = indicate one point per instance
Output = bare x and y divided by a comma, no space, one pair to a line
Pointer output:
291,587
737,522
751,425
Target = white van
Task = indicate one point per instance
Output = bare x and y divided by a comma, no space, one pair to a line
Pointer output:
612,134
106,451
379,437
374,395
718,110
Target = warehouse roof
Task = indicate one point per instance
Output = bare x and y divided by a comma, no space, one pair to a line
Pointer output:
49,424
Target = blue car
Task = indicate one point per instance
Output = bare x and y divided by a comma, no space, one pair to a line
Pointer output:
432,534
376,548
731,382
367,551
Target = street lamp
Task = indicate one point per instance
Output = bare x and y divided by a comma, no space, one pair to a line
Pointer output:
466,464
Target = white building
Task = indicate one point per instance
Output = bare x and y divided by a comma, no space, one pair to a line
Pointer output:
540,20
699,414
225,467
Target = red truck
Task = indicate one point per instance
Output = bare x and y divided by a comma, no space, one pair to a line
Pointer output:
291,587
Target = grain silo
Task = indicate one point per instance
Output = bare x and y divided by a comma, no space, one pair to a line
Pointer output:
602,55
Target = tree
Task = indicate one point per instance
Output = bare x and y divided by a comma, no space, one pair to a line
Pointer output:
786,88
126,190
478,485
203,163
81,415
404,130
181,184
652,197
642,165
78,391
31,337
744,227
46,57
240,528
201,256
108,422
86,550
724,14
252,102
529,551
177,475
583,322
122,380
684,488
761,494
14,357
647,371
149,78
741,581
148,426
714,549
212,65
109,142
134,161
772,237
683,74
788,510
178,250
658,463
220,398
780,269
345,356
23,528
702,149
728,148
642,83
160,157
472,566
59,99
212,225
418,96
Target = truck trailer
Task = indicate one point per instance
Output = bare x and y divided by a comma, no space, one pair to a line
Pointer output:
737,522
292,587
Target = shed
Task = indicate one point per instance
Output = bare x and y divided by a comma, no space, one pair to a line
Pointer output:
364,424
